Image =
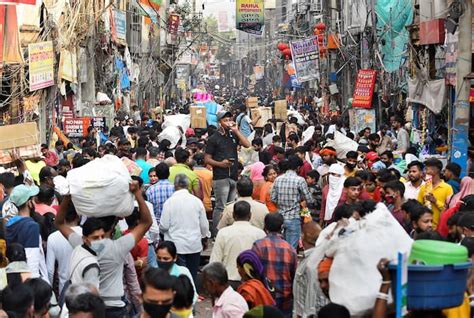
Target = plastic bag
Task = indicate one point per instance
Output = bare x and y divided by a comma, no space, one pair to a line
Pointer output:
101,188
354,279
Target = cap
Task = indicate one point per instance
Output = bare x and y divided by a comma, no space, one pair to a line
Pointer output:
192,140
223,114
190,132
371,156
22,193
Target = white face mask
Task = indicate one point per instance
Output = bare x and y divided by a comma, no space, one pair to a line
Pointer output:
333,182
97,246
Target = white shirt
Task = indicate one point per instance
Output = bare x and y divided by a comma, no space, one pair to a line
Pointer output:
231,241
410,191
59,250
184,222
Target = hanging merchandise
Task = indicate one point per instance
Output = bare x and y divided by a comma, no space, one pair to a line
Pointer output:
250,17
305,55
123,74
364,88
392,18
68,65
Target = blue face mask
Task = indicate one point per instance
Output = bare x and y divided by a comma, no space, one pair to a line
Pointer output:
97,246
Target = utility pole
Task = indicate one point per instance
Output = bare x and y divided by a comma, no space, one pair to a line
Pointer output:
460,131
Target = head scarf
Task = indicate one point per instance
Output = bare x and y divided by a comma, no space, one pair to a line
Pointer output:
466,188
256,171
251,264
327,152
336,186
325,265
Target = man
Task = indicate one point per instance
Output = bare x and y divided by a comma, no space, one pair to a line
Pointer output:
181,167
59,148
258,210
307,301
353,191
292,141
153,153
244,123
50,157
24,230
394,194
112,254
279,260
452,174
263,155
415,180
350,168
287,192
184,222
226,301
306,167
435,192
60,251
158,193
158,293
140,160
328,154
205,178
234,239
83,301
374,142
221,154
403,139
18,301
387,159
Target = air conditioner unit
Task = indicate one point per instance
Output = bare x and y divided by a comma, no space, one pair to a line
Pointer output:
316,6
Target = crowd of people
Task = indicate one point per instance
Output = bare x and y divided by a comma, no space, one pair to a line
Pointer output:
257,198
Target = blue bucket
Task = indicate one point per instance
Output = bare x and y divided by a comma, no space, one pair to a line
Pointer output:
434,287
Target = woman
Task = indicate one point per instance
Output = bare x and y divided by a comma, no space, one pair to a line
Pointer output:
166,256
256,176
466,188
254,286
269,174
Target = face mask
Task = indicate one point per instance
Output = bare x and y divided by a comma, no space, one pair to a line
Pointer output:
389,199
97,246
154,310
183,313
351,165
333,182
165,265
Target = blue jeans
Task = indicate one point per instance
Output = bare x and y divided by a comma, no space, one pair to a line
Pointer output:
191,262
225,191
292,231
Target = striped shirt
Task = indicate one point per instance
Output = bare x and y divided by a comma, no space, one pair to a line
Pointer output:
157,194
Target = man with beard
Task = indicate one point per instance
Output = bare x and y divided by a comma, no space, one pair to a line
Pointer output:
328,154
221,154
415,180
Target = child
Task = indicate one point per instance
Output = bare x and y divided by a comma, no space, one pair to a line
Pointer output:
312,178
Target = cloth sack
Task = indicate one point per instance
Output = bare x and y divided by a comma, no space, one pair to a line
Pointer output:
101,188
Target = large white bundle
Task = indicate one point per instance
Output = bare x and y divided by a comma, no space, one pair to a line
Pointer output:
342,144
354,279
101,188
177,120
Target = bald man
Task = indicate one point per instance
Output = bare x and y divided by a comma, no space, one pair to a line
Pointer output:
308,298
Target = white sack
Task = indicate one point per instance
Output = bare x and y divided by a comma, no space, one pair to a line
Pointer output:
342,144
354,279
101,188
177,120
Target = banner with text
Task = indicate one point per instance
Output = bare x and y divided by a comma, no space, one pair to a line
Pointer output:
364,88
250,17
305,55
41,66
77,127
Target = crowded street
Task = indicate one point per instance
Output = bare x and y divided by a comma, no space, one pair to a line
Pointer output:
236,158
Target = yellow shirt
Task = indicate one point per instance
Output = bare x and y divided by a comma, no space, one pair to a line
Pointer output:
34,168
462,311
441,192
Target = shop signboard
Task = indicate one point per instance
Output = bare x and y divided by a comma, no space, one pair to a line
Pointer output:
77,127
364,88
41,65
120,20
305,55
250,16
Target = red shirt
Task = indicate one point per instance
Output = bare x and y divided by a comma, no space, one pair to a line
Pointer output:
140,250
51,159
304,169
443,228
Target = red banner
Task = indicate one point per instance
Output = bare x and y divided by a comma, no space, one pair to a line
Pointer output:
32,2
364,88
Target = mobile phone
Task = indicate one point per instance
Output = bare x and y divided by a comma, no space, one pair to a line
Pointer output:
231,159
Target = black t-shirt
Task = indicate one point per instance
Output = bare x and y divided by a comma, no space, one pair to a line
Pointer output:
222,147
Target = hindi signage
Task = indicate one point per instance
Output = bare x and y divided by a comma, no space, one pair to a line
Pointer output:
305,55
250,16
77,127
41,65
364,88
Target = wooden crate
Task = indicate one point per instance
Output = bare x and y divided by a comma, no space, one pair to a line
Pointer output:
252,102
281,111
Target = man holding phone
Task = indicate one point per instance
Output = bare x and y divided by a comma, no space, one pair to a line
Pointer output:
221,154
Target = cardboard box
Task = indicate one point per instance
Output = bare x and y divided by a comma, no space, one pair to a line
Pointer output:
198,117
281,111
432,32
19,135
265,112
252,102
